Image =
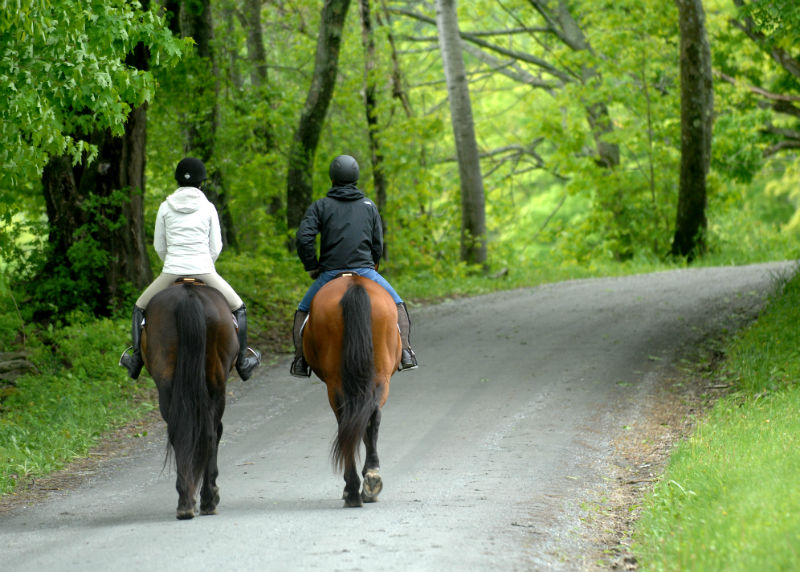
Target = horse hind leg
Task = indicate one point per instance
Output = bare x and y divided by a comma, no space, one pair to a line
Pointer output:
209,494
373,484
351,496
187,504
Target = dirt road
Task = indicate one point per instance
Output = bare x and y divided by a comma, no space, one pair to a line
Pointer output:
491,451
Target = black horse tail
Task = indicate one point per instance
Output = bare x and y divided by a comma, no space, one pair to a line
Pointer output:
358,401
190,419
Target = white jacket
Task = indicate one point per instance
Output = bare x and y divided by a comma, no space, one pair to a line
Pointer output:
187,235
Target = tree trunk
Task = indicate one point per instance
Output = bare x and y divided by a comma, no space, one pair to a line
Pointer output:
200,125
102,202
697,106
306,137
257,56
370,106
473,221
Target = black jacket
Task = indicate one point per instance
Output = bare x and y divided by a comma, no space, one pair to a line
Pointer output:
350,231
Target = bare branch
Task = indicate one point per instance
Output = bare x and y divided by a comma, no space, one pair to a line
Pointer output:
757,90
466,36
510,69
781,146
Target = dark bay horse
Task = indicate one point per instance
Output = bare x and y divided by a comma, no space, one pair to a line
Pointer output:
189,346
352,343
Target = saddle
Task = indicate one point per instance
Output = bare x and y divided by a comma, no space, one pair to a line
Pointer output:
189,281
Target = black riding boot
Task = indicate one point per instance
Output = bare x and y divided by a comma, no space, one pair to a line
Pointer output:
133,360
248,358
409,358
299,366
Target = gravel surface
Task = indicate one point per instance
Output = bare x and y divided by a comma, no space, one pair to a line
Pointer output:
535,419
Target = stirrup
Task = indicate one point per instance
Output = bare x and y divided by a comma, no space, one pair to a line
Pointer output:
133,362
255,353
245,365
408,360
124,353
300,367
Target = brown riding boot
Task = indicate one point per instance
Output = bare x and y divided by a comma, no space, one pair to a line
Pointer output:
299,366
409,358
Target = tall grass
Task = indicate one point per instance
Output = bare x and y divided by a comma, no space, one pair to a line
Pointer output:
729,498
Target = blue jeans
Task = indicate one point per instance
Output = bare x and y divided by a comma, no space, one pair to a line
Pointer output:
328,275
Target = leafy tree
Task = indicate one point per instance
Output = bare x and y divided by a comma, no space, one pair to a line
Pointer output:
306,137
63,67
79,82
196,102
772,25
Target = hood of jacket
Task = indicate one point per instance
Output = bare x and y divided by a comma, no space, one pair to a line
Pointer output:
348,192
186,200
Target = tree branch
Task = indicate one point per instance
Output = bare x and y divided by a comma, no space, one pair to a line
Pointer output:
757,90
466,36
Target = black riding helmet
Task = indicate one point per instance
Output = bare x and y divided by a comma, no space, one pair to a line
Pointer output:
190,172
344,169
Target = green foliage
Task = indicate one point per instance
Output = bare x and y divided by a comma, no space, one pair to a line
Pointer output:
62,65
74,280
777,20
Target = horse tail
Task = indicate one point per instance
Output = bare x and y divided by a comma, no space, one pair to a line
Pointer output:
357,400
190,419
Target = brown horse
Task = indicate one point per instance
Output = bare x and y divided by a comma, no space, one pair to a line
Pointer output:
352,343
189,346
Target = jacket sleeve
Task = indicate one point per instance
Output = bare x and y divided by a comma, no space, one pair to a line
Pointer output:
377,238
307,235
160,233
214,234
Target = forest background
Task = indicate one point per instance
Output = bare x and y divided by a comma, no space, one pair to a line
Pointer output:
554,152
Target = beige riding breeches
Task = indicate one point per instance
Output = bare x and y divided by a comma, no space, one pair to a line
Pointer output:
213,279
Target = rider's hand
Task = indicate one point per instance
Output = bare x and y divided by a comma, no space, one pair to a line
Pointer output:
314,273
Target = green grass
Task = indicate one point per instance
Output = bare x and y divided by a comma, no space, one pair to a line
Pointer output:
729,499
76,393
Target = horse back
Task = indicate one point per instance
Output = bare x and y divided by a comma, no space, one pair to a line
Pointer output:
161,336
322,339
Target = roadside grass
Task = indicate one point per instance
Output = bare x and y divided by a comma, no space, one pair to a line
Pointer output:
75,393
729,499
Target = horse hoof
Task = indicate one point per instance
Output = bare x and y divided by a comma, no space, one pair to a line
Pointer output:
353,502
210,506
373,485
185,514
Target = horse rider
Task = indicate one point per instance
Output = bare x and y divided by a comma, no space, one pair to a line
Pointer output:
188,240
351,240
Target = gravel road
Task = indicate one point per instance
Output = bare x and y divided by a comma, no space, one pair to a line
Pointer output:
490,451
